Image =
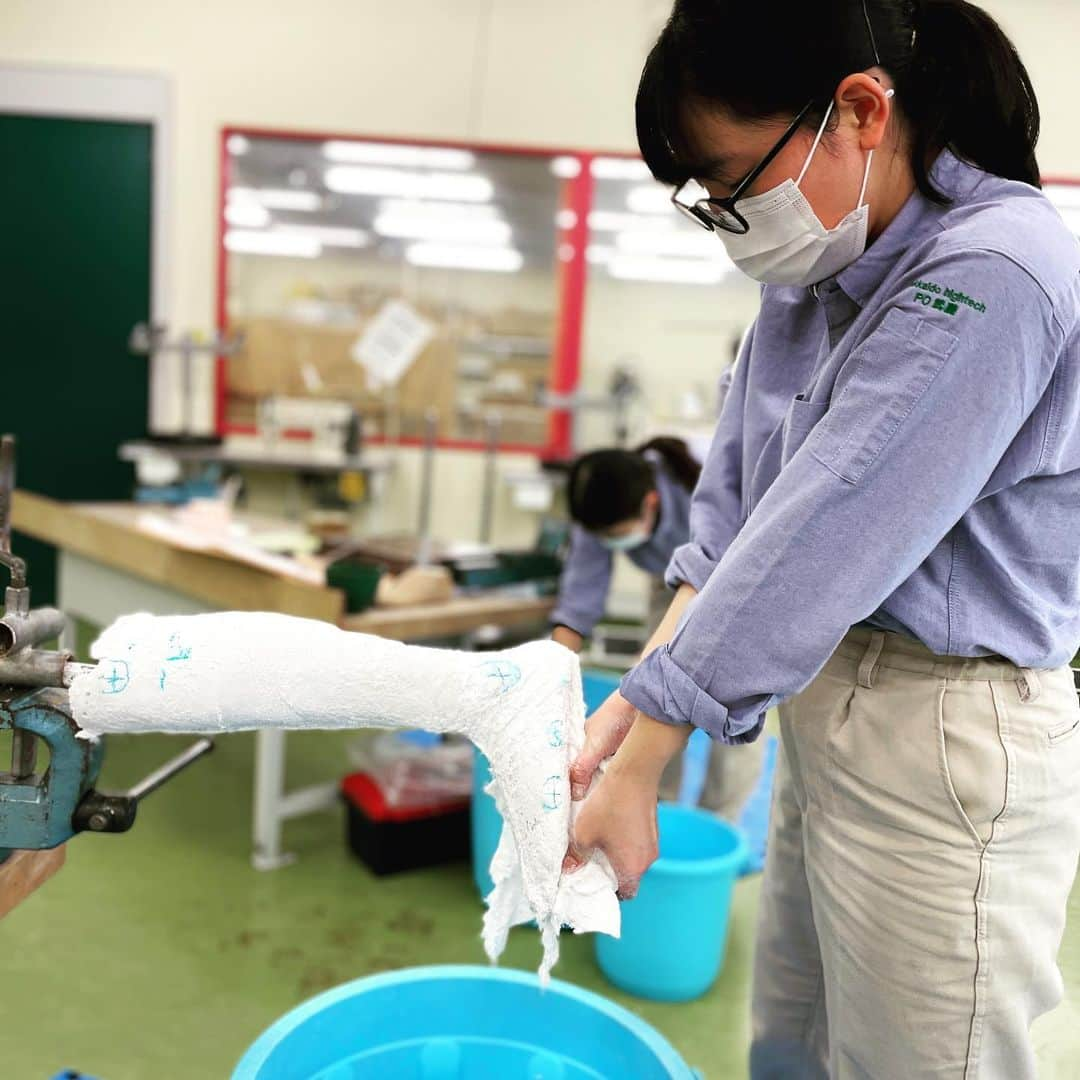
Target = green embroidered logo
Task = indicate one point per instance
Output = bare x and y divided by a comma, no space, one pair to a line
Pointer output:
942,298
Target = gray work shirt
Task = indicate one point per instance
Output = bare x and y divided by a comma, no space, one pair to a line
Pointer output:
900,445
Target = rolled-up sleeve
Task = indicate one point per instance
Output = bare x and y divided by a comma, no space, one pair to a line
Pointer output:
716,510
921,414
583,587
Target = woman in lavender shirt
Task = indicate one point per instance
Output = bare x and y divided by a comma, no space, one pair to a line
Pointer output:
886,535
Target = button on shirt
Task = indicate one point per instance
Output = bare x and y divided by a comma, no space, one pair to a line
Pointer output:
900,446
586,578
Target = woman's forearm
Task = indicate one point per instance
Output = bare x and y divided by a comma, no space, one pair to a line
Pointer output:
651,744
670,622
647,749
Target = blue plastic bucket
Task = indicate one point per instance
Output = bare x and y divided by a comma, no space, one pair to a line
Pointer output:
597,686
460,1023
674,933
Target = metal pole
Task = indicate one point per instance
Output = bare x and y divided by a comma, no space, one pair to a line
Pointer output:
167,771
427,467
487,506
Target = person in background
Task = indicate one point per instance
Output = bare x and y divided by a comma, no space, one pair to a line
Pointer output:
637,502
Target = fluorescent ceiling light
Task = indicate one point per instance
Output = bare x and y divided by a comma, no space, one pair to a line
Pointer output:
277,198
247,215
329,235
374,153
565,167
621,221
439,211
649,199
612,168
599,254
249,242
677,271
703,244
404,227
565,219
371,180
237,145
504,260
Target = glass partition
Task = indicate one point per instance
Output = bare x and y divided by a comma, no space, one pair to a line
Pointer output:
410,284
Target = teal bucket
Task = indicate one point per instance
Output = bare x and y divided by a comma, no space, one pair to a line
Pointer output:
674,933
596,686
460,1023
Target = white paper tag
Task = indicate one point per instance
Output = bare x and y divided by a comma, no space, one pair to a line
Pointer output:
392,341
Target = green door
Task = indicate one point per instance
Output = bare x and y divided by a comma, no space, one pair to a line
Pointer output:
75,222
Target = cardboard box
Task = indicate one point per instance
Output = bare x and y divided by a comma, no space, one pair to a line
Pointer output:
294,359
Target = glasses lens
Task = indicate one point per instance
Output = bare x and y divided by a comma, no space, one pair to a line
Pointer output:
727,220
693,200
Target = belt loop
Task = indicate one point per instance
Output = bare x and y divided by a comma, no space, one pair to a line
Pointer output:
868,664
1028,685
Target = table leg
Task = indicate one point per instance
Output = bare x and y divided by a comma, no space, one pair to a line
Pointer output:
269,793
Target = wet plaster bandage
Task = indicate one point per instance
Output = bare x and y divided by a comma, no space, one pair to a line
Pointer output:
240,671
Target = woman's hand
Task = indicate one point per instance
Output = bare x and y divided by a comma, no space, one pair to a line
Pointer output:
619,816
568,638
604,734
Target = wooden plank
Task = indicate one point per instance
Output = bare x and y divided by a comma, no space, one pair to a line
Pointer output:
457,616
107,534
218,581
24,871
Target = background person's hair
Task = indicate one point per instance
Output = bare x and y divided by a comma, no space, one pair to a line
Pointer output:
960,83
606,487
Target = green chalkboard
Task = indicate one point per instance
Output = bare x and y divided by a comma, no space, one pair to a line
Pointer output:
75,223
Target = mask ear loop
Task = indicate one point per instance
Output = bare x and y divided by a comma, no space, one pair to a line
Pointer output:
817,143
869,161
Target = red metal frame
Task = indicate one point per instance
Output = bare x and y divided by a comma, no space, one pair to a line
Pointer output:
572,275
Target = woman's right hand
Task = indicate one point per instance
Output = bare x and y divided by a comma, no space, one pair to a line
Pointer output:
605,731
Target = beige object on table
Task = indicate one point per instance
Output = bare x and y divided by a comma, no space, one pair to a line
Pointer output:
417,585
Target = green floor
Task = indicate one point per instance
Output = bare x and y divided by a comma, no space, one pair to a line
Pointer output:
160,955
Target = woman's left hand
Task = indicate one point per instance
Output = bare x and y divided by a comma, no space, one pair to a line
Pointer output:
619,815
619,819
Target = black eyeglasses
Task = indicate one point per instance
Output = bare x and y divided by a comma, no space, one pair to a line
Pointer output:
715,214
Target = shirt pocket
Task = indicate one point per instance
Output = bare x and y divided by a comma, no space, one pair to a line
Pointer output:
891,370
802,416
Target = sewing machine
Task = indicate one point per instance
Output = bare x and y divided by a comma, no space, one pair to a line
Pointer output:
40,810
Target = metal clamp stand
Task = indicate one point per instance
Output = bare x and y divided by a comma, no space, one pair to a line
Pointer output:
149,339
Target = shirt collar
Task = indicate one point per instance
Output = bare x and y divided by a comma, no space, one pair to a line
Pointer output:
917,218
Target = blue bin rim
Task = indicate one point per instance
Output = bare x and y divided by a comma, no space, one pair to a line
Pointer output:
732,862
257,1054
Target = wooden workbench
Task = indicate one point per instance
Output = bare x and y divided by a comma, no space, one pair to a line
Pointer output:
107,567
24,871
107,533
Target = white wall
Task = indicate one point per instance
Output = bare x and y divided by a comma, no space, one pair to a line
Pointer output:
560,73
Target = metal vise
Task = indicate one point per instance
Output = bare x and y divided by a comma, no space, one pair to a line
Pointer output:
42,809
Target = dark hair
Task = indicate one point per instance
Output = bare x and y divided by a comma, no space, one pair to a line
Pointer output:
960,83
609,486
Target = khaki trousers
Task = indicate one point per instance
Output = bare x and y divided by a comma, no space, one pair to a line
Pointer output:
924,839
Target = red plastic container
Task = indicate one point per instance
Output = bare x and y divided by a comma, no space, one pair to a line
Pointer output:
389,839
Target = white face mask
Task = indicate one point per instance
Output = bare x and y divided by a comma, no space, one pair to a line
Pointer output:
627,542
787,243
